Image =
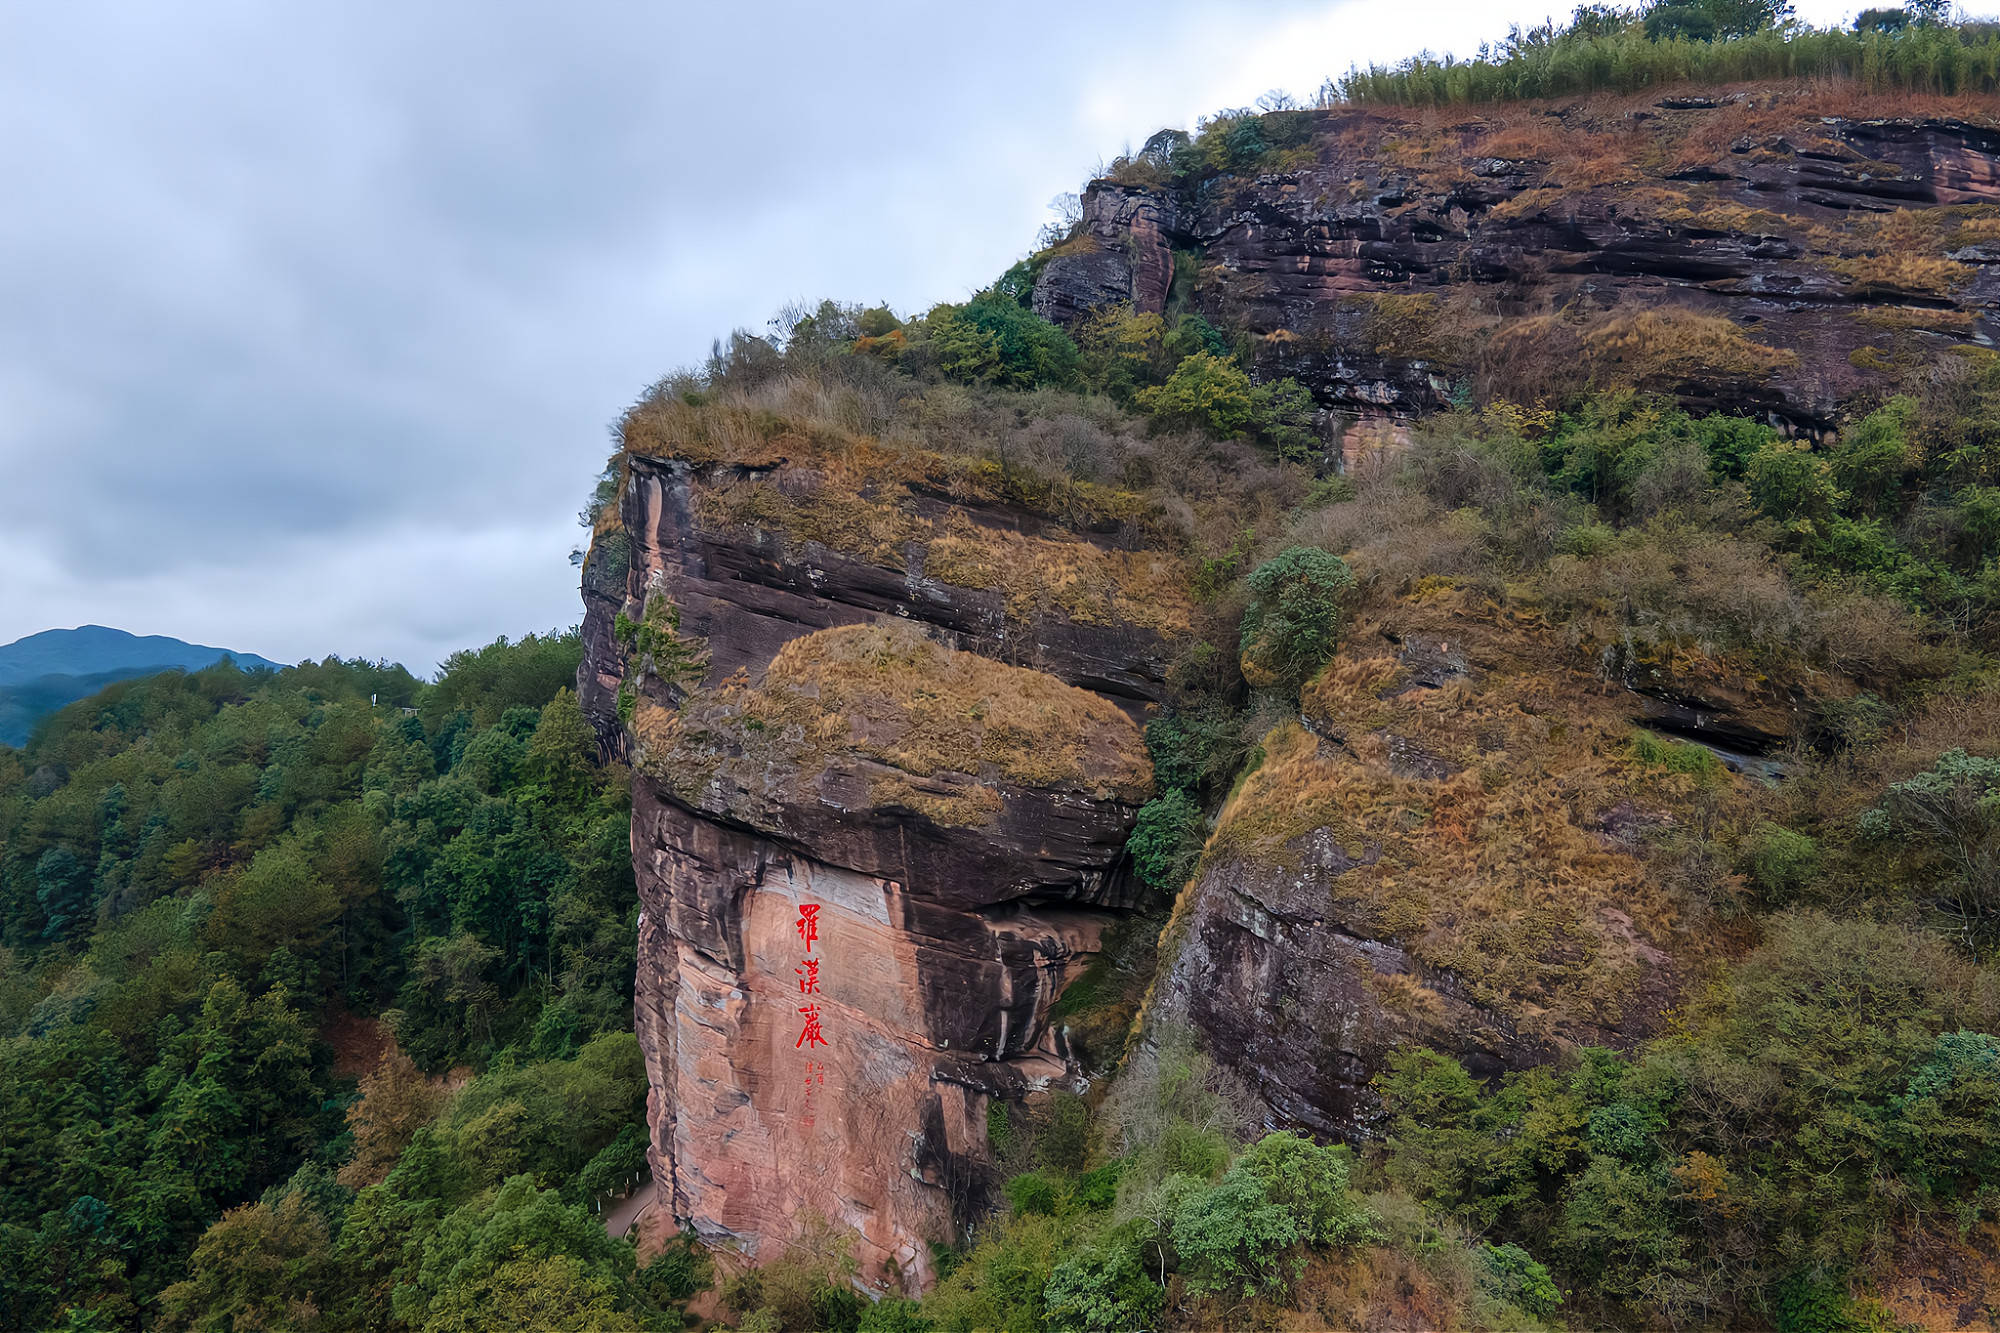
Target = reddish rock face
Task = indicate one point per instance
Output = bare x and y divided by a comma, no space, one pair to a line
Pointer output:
927,1012
956,894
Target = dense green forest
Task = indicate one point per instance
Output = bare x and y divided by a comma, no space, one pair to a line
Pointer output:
318,1009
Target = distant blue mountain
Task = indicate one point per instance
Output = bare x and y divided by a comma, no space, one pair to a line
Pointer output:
42,672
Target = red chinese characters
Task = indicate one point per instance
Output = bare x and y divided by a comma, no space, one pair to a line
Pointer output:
812,1033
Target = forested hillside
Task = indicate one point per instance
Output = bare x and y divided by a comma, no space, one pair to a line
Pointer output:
293,983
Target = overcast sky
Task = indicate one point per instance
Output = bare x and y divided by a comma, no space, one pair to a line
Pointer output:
313,318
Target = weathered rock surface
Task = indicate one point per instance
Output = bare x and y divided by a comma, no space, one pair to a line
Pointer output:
1306,1004
747,589
963,842
1795,225
1423,859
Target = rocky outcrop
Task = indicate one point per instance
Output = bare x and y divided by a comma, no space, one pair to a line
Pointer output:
947,773
893,686
746,584
1836,244
1305,1005
1439,852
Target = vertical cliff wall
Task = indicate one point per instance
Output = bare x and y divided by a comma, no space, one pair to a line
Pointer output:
818,714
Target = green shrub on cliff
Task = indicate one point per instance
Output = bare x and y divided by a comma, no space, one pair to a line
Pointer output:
1249,1233
1166,838
1825,1091
1204,391
1209,392
993,340
1947,822
1293,622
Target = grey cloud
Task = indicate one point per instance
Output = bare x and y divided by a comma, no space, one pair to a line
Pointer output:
312,317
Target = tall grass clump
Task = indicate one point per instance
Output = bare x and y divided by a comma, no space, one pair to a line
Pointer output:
1936,59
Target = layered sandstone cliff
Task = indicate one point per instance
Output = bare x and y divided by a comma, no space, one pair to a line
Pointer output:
913,712
1757,251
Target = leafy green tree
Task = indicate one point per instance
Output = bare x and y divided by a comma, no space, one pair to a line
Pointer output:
1102,1289
1033,1192
1783,862
258,1267
396,1101
1311,1182
516,1259
1889,20
552,1293
1945,1128
1617,1224
486,682
1231,1238
1195,749
561,753
1950,817
894,1314
1205,392
1712,20
63,889
1793,485
1875,458
1166,839
1284,416
994,340
1294,619
1517,1279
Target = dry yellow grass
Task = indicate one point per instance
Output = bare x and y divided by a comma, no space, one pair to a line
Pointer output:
1529,203
926,708
1086,582
889,692
963,807
1502,870
838,519
1654,346
667,427
1037,575
1726,216
1901,271
812,478
1898,319
1904,249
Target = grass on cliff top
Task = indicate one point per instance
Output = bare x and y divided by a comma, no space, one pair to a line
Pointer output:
1036,575
881,429
1942,59
950,720
926,708
854,458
